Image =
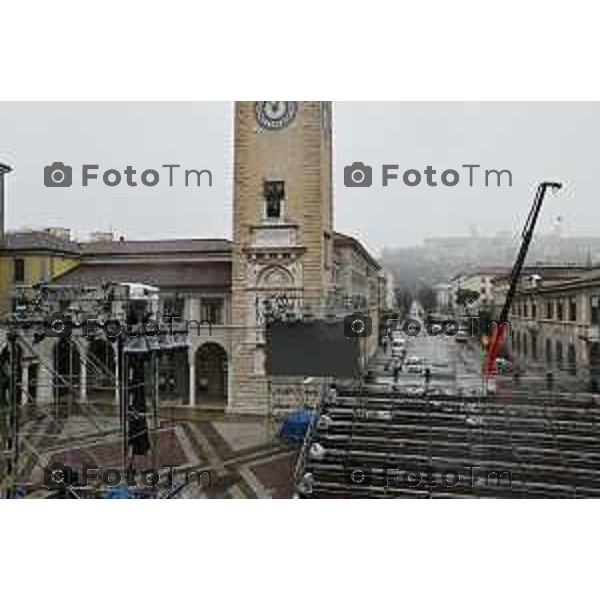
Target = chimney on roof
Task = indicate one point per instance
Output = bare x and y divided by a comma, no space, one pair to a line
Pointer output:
62,233
535,280
4,169
101,236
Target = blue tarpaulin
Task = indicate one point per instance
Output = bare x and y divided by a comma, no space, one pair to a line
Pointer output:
121,492
293,429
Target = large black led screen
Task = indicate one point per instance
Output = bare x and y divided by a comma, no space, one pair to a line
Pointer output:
317,348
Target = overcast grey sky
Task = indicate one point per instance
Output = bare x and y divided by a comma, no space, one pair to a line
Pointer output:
535,141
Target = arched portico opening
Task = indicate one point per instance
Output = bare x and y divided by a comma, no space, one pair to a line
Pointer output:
174,376
211,374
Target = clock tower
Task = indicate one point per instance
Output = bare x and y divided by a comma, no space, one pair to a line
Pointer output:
282,228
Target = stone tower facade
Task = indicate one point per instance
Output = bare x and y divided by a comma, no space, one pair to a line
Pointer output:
282,227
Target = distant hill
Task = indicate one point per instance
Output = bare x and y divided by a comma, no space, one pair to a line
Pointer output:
439,259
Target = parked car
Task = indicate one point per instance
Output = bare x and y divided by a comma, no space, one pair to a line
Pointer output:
461,336
416,391
490,387
414,364
398,351
503,365
414,360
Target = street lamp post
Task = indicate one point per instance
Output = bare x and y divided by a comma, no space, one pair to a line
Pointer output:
4,169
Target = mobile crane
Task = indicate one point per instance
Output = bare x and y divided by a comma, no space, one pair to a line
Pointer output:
489,367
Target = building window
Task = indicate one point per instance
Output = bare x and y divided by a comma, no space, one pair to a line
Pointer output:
559,353
534,346
534,310
327,250
173,307
572,359
212,310
525,344
549,351
595,358
19,270
45,269
274,195
525,310
595,310
172,371
572,310
559,310
549,310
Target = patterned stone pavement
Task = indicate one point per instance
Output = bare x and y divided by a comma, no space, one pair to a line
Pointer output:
243,457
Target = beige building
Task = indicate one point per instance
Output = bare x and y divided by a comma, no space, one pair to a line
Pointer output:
480,282
444,297
27,257
491,283
282,224
532,274
556,324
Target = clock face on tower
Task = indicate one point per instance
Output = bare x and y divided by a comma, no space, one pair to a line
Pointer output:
275,114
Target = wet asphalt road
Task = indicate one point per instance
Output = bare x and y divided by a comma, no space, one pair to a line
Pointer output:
453,365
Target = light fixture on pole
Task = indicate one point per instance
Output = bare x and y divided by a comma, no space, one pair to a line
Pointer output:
4,169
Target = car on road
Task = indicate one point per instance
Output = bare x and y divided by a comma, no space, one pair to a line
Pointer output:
398,347
438,391
416,391
414,364
490,387
503,365
461,336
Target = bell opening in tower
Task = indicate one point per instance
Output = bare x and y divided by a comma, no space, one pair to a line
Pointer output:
274,196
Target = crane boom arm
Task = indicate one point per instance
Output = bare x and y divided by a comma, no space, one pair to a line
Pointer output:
527,235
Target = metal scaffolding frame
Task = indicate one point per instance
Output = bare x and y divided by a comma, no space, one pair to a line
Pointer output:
548,442
136,362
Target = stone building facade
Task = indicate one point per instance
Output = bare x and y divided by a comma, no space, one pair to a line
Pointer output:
556,325
282,223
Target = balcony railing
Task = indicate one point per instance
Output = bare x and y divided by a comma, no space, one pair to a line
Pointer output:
291,305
